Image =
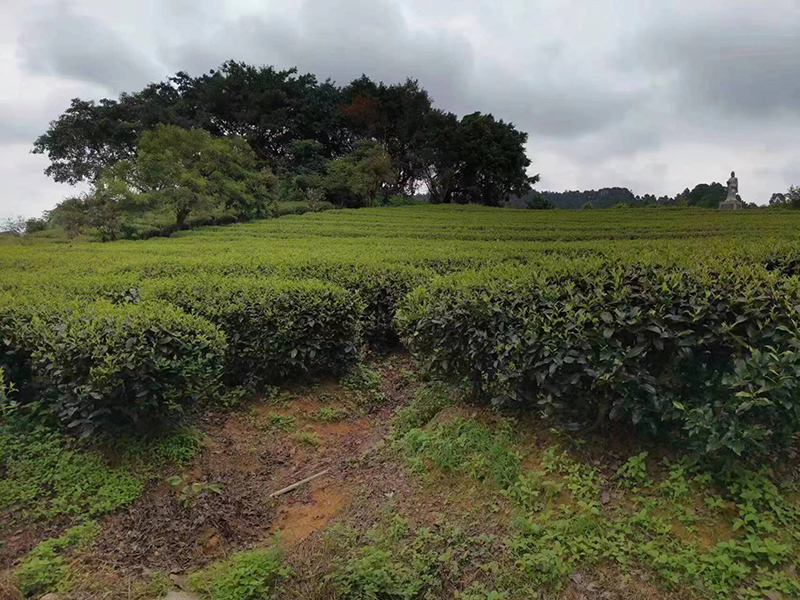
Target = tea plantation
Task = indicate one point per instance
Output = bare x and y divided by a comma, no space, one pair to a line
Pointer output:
674,330
680,321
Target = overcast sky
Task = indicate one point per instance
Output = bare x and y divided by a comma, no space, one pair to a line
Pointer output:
655,95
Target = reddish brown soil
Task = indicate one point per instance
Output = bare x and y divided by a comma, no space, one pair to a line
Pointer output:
249,461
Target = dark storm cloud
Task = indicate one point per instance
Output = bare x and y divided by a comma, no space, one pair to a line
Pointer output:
74,46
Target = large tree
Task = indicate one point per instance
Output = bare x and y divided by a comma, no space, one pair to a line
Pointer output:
393,115
356,179
269,108
707,195
188,170
477,160
474,159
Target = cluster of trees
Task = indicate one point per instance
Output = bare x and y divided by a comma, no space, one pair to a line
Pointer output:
241,134
574,199
19,226
790,199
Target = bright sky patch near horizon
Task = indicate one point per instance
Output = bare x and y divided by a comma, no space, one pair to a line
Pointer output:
653,95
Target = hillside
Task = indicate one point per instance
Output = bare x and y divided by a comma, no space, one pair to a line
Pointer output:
493,404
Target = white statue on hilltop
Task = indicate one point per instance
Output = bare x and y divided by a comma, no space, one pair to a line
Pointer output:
733,188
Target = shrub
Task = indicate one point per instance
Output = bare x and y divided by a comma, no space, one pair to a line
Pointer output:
16,339
713,354
380,288
134,365
250,575
276,329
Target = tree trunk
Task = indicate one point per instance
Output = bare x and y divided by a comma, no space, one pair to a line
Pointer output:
181,217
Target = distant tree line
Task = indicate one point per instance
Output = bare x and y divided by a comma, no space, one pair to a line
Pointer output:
284,135
705,195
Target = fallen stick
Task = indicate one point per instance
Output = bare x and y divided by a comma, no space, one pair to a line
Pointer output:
289,488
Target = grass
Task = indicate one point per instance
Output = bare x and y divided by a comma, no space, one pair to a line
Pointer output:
398,560
702,534
365,383
429,401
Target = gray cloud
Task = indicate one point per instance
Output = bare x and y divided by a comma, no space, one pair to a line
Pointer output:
743,60
658,96
75,46
340,40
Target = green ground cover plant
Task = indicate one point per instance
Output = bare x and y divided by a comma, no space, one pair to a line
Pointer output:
249,575
46,568
45,475
704,534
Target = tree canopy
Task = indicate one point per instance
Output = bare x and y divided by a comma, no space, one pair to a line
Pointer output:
288,119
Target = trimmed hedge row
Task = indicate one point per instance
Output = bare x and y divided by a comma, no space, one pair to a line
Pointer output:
713,355
380,288
276,329
148,351
106,366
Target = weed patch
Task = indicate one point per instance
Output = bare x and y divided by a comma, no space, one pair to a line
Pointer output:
328,414
465,446
428,402
366,384
46,475
46,568
249,575
398,561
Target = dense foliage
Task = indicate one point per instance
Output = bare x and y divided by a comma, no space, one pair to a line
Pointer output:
472,159
679,322
275,329
97,364
713,354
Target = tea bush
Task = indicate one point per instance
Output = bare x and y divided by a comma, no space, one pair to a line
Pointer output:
275,329
137,365
675,320
712,354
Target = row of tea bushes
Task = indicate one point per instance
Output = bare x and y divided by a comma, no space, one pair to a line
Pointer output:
276,329
378,288
141,357
715,356
101,365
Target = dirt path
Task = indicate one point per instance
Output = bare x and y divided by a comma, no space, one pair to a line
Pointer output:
248,455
